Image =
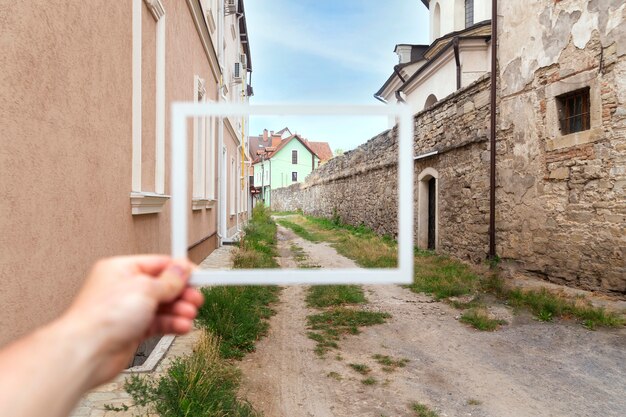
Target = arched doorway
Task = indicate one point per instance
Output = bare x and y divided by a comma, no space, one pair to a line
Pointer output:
428,209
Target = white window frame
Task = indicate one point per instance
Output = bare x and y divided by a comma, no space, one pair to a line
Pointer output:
143,201
200,170
233,188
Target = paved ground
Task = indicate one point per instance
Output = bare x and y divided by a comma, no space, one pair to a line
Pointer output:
528,368
92,404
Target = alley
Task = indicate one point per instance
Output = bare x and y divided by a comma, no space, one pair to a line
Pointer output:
527,368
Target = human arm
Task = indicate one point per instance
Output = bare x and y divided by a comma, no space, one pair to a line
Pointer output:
123,301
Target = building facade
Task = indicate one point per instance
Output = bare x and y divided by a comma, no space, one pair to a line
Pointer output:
85,146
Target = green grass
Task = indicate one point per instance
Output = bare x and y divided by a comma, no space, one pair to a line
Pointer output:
473,402
328,327
546,306
334,295
369,381
300,231
390,364
422,410
361,368
258,247
200,384
334,375
479,319
286,213
237,315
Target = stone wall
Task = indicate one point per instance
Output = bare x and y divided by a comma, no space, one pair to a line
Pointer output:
361,185
561,198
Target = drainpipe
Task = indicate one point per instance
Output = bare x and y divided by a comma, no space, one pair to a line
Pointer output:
221,182
379,98
399,74
457,59
492,142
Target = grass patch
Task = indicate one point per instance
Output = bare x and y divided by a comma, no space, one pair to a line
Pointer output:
286,213
442,277
237,315
389,364
546,306
369,381
300,231
358,243
301,257
361,368
258,247
329,326
473,402
479,319
200,384
334,295
334,375
422,410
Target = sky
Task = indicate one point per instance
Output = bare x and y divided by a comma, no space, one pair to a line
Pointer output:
328,51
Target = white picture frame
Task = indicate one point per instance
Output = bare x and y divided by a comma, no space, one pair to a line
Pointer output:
181,201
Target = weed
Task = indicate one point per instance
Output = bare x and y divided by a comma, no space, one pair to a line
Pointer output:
339,357
442,277
199,384
473,401
334,295
390,364
237,315
327,327
479,319
361,368
258,247
369,381
334,375
422,410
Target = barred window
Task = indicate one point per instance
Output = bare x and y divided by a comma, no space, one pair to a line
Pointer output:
574,111
294,157
469,13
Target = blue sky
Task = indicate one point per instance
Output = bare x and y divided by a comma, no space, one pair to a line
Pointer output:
327,51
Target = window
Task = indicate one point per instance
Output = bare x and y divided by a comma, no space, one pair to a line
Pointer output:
233,186
574,112
294,157
294,176
148,190
469,13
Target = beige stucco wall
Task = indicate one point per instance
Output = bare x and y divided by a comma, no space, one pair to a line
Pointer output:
66,146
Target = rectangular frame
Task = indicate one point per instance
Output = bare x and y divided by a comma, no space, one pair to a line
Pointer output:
403,274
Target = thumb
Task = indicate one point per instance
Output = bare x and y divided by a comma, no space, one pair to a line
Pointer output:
172,281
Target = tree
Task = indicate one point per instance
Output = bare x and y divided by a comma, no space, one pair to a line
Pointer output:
338,152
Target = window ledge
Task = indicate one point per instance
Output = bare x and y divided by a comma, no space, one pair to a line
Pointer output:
147,203
574,139
199,203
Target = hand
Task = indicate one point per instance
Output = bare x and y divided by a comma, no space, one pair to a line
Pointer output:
127,299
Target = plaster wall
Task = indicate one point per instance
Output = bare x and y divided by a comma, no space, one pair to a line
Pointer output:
561,197
452,16
439,80
66,147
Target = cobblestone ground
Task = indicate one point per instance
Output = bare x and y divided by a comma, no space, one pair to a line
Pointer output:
113,394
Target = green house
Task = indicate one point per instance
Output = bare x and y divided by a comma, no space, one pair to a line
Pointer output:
288,163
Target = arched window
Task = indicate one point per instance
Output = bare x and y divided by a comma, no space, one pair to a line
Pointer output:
437,22
432,99
469,13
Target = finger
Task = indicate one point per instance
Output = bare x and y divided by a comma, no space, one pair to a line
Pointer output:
193,296
171,283
173,325
146,264
179,308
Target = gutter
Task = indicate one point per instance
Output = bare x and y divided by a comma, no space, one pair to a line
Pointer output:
399,74
492,142
457,59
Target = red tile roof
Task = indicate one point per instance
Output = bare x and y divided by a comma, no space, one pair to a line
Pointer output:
322,150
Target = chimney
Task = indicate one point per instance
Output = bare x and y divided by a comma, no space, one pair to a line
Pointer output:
264,135
272,133
404,53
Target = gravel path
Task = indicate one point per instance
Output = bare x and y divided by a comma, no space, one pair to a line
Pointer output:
527,368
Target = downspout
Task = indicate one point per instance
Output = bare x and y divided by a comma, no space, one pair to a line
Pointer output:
270,185
492,142
221,183
457,59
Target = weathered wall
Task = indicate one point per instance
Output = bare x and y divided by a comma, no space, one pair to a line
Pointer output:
361,185
561,198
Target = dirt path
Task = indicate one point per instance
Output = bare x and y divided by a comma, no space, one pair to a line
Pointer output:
527,368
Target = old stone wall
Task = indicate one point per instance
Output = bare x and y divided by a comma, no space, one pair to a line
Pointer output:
361,185
561,197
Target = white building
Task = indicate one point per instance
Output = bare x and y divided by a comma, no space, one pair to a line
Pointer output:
459,54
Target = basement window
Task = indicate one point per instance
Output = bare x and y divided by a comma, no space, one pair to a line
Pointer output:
574,111
294,176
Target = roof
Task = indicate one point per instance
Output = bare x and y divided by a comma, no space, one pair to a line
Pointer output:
243,34
426,3
417,54
284,143
322,150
